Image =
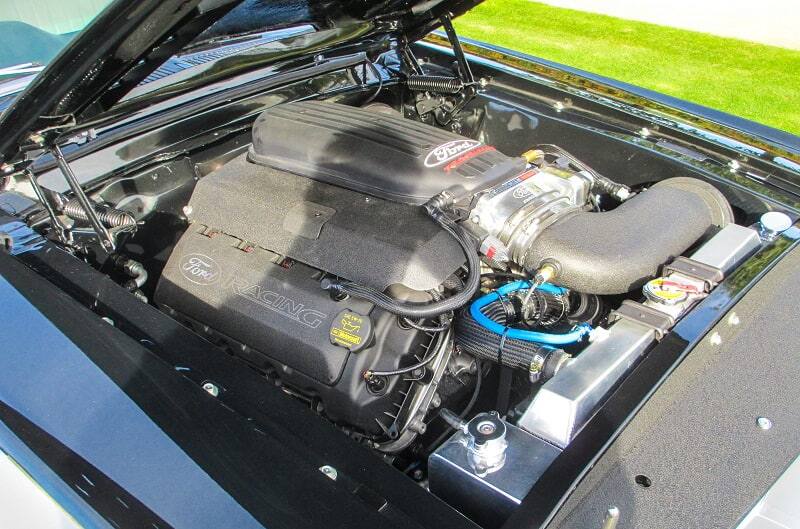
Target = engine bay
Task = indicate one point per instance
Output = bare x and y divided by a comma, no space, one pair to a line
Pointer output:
292,248
460,306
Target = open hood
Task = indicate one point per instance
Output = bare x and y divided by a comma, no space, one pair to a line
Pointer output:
129,40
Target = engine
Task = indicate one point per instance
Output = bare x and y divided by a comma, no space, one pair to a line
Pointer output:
343,253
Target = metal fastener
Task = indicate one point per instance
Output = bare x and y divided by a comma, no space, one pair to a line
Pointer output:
211,389
715,339
764,423
187,210
418,425
733,319
611,519
329,471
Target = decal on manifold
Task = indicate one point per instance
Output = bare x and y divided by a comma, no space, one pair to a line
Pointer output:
277,303
445,152
199,268
203,270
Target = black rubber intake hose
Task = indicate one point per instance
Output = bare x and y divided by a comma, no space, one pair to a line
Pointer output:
617,251
427,310
510,352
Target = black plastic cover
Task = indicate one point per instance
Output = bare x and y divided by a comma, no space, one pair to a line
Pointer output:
384,155
368,240
272,313
255,301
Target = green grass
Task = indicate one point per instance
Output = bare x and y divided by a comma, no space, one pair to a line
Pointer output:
754,81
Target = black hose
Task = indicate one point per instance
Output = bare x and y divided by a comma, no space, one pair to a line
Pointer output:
503,275
380,83
418,326
510,352
615,252
429,310
433,352
461,416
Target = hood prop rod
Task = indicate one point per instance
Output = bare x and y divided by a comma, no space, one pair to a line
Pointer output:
103,234
61,232
452,36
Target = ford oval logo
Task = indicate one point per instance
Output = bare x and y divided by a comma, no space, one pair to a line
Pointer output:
449,151
199,268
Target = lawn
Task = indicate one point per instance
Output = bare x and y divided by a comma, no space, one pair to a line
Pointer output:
754,81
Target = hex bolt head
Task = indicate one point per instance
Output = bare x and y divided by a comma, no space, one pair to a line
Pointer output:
733,319
715,339
764,423
329,471
211,389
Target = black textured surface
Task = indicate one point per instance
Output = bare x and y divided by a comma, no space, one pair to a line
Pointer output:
278,318
696,441
258,302
371,241
381,154
616,251
486,345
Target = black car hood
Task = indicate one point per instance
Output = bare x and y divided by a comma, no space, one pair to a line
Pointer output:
128,40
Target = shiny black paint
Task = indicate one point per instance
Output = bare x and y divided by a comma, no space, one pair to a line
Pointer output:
106,497
177,127
653,100
128,40
245,391
553,488
126,409
772,156
119,37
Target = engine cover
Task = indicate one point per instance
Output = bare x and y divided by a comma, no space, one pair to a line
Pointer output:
267,226
272,312
376,153
365,239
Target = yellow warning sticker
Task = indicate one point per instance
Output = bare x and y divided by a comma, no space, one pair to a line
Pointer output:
350,330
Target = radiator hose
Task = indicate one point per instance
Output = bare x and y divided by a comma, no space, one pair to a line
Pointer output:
501,327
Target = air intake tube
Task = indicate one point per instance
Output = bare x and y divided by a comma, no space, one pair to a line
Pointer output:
617,251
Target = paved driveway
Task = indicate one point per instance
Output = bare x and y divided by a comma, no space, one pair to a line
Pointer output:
775,22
